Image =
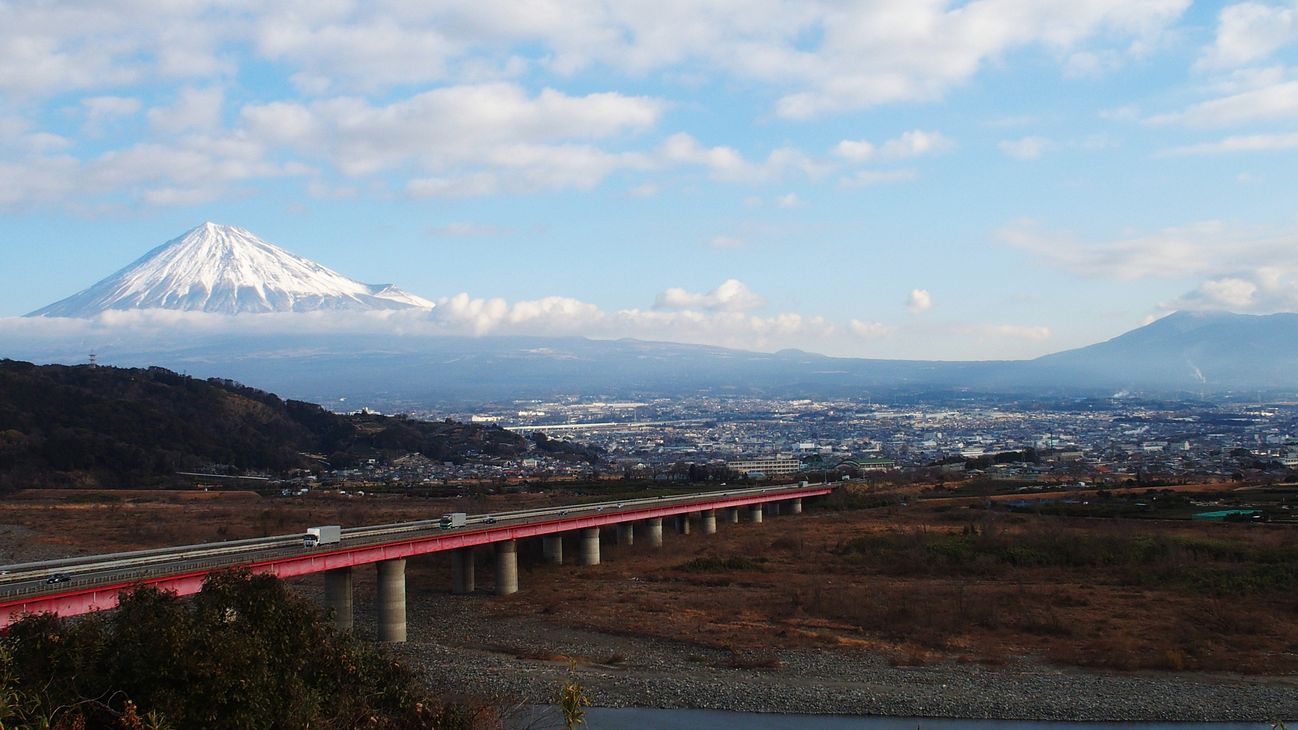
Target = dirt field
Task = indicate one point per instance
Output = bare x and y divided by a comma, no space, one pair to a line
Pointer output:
916,584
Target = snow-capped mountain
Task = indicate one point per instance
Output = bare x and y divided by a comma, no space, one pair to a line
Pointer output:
228,270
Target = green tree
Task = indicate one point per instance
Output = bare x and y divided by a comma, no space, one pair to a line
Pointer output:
243,653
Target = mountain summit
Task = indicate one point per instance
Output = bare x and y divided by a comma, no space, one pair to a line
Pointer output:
228,270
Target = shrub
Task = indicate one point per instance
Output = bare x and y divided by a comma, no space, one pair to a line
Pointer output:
714,564
244,653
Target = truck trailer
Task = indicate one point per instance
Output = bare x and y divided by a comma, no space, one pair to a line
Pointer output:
454,519
323,535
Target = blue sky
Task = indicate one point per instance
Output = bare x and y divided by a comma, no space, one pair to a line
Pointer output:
918,179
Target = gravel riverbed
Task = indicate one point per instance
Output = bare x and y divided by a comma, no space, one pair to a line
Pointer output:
462,647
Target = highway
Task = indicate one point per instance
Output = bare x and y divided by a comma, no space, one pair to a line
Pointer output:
31,579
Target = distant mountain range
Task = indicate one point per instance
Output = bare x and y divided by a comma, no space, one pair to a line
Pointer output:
227,270
1182,355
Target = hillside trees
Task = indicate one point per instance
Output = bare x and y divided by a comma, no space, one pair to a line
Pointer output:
243,653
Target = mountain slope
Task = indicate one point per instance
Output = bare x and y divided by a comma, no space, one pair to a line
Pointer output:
227,270
64,425
1186,351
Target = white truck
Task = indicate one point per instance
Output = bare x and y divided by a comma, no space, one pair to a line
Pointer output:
454,519
324,535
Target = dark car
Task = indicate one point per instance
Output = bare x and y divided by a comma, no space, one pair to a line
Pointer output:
490,520
58,578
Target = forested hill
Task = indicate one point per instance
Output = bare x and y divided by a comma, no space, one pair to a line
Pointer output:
84,425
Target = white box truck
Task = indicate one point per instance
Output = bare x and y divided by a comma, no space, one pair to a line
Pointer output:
454,519
324,535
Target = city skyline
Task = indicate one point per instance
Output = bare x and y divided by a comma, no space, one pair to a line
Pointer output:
927,180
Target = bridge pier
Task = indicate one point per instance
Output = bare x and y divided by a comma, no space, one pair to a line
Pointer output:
552,548
589,546
683,524
755,513
462,578
709,522
654,531
626,534
506,567
732,515
392,600
338,596
795,506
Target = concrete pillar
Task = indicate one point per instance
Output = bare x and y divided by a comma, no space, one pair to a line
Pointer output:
654,530
462,578
683,524
709,522
755,513
338,596
506,567
795,507
732,515
590,546
392,600
626,533
552,547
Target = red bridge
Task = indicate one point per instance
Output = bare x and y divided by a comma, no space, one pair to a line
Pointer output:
80,585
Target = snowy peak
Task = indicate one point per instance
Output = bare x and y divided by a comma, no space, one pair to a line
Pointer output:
228,270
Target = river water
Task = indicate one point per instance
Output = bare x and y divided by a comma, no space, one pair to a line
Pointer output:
635,718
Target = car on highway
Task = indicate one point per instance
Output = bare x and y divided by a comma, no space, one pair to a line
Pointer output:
58,578
563,511
489,520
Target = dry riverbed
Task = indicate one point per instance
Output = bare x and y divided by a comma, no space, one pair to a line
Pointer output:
522,659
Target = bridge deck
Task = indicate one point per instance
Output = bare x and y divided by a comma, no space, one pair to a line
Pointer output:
185,576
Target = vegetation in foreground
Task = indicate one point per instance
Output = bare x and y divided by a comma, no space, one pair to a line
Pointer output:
243,653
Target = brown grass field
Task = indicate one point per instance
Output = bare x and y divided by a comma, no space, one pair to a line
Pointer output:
918,584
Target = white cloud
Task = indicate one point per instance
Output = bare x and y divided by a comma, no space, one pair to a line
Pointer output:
555,316
822,57
789,200
870,330
914,143
195,109
1237,143
865,178
1250,31
731,296
726,242
195,168
1245,269
1177,252
1025,148
498,124
855,150
726,163
919,301
1264,289
106,107
882,53
1273,101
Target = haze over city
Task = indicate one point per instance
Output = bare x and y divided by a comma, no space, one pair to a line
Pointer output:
924,180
